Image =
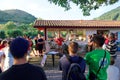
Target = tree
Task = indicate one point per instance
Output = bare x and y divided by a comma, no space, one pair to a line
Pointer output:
14,33
10,25
85,5
2,34
116,16
23,26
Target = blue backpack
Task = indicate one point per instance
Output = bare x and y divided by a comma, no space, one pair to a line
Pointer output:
75,72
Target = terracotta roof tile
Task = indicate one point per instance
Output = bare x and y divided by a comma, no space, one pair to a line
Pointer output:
76,24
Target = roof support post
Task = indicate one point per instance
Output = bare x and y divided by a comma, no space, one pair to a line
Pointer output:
45,32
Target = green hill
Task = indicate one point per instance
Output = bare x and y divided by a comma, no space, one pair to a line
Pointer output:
110,15
17,16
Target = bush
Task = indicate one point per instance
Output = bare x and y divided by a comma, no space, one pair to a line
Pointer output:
14,33
2,34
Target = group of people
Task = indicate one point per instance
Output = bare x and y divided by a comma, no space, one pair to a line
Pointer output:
109,44
21,69
36,44
100,60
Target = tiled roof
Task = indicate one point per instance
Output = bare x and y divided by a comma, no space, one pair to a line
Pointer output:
76,24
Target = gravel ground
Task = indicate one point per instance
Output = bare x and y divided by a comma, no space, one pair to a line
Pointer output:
54,74
57,75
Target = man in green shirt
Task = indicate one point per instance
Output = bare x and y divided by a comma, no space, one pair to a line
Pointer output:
94,59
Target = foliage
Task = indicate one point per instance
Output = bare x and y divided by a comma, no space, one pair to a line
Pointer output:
2,34
15,23
41,33
15,33
49,35
17,16
23,27
13,30
111,15
9,33
28,30
32,34
64,33
4,17
10,25
1,26
85,5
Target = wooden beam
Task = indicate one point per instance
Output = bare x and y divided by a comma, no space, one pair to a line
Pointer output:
45,32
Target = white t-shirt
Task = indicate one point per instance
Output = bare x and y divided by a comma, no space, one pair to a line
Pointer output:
8,62
113,73
1,59
1,52
104,46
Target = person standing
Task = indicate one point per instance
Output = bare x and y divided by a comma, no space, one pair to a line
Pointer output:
72,57
40,44
8,59
90,43
112,45
21,69
106,41
98,60
1,60
3,44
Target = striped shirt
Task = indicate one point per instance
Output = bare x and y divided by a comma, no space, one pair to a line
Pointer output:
112,47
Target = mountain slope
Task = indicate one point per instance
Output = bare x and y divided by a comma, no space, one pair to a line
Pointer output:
110,15
4,16
17,16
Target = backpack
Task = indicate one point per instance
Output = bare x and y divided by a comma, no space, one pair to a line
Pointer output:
75,72
65,48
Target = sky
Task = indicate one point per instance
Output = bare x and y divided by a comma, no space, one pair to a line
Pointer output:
43,9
